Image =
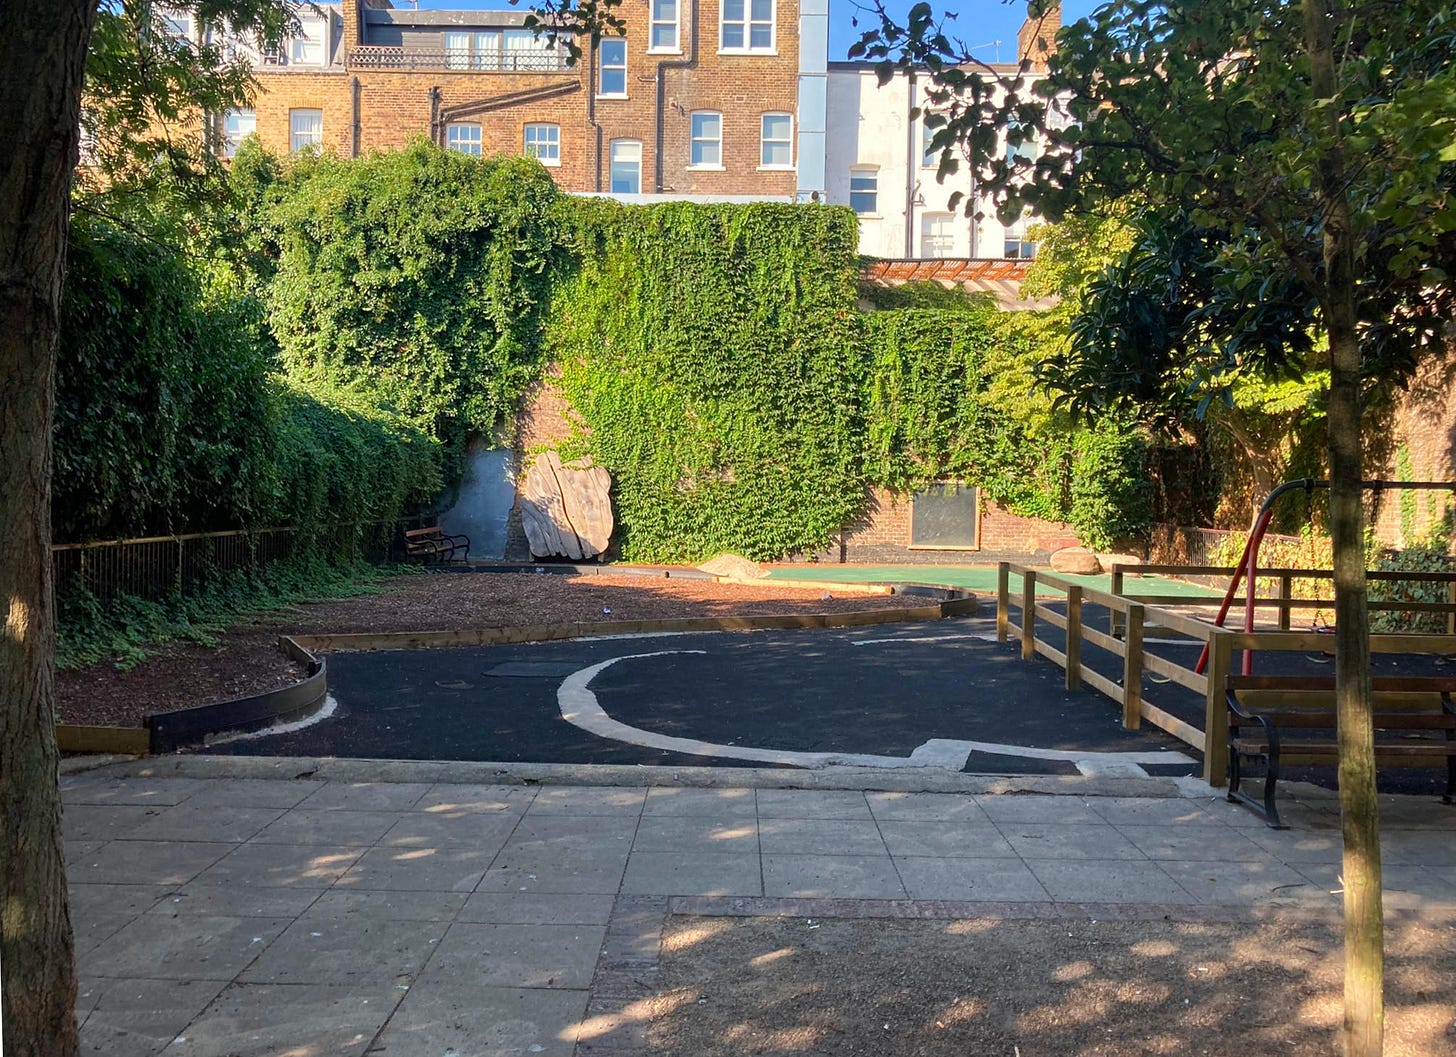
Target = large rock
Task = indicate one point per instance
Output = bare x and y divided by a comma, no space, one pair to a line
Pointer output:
566,509
1109,560
734,567
1078,561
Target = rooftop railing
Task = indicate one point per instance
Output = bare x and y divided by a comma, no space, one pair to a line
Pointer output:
537,59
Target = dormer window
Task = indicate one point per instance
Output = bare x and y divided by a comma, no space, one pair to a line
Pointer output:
308,47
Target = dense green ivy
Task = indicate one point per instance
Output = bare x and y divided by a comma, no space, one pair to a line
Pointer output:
419,278
170,416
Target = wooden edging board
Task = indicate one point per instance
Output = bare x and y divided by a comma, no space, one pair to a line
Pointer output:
424,640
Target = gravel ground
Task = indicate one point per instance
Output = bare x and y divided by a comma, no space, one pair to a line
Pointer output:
834,988
246,659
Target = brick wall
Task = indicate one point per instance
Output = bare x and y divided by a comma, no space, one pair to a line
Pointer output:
390,107
1425,427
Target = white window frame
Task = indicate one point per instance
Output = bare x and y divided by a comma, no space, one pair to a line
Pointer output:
710,139
246,119
615,67
293,133
745,26
929,156
301,44
656,21
178,25
625,146
1025,248
943,242
764,142
546,146
465,137
862,171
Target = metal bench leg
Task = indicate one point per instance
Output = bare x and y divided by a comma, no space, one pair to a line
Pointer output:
1271,778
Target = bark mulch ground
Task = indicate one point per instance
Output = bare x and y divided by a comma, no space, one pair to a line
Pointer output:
246,658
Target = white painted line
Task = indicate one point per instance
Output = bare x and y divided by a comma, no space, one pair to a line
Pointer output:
579,706
983,636
330,705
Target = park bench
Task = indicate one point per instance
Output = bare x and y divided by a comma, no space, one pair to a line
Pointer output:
1284,719
430,543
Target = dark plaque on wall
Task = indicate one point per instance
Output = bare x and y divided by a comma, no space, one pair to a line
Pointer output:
945,515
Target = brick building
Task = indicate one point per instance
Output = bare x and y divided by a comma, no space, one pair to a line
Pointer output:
715,98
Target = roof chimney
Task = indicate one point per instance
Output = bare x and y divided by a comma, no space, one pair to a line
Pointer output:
1038,36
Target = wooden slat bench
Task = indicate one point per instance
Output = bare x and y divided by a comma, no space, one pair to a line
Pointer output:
1415,726
432,544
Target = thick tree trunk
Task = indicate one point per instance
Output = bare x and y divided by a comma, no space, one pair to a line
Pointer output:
42,61
1364,1024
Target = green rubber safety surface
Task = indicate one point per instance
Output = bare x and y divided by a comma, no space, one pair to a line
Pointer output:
977,578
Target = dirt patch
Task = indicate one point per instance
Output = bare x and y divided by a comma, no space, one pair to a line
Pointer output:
729,987
246,658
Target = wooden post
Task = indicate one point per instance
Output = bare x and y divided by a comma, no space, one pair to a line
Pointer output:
1003,600
1114,618
1215,713
1286,592
1028,615
1451,601
1074,638
1132,668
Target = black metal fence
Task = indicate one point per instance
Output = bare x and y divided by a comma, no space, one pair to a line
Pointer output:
158,566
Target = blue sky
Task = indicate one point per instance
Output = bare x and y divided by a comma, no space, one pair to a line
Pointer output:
979,23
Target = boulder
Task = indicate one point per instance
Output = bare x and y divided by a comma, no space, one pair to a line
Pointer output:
734,567
1078,561
1109,560
566,509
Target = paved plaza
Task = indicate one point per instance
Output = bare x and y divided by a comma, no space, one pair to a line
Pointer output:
324,914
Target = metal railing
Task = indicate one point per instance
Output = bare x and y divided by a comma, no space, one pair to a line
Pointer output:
157,566
537,59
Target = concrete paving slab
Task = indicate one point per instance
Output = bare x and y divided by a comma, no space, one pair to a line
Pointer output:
299,1020
305,825
1243,883
1403,887
206,822
566,872
369,796
604,835
697,833
327,949
103,822
832,876
1194,842
1140,811
100,910
698,873
801,836
420,830
160,792
452,801
1297,846
1060,841
246,901
282,865
401,906
1108,881
166,946
450,868
589,801
145,862
1053,810
538,908
954,839
253,792
88,993
555,956
485,1022
717,803
1418,847
812,803
925,807
143,1016
999,880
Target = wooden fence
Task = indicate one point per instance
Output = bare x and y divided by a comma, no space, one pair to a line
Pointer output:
1132,615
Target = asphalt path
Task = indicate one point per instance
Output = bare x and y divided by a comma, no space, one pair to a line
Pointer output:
875,695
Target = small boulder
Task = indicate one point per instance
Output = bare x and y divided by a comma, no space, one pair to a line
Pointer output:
1109,560
1078,561
734,567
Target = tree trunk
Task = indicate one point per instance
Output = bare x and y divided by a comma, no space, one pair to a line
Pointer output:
1364,1023
42,62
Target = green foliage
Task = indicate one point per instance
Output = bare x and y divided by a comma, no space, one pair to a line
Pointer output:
711,352
1431,554
169,417
90,630
418,278
922,294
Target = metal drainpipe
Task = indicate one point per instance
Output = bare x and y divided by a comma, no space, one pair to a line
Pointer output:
435,115
354,89
672,64
910,169
591,113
